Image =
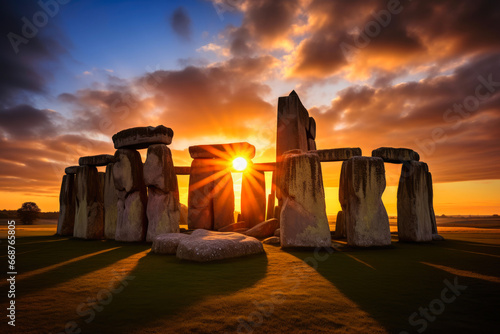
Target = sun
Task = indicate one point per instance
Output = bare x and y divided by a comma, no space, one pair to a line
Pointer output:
240,164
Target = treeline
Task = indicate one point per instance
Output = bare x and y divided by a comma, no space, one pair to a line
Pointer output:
12,214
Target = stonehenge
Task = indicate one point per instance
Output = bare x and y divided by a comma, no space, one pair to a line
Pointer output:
136,201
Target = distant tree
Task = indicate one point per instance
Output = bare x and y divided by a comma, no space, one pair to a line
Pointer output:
495,215
28,213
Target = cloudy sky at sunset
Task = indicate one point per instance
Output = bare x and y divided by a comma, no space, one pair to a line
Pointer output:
417,74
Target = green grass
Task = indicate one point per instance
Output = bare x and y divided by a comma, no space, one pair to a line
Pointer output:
351,290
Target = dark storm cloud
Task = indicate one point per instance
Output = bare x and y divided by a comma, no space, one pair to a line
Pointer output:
181,23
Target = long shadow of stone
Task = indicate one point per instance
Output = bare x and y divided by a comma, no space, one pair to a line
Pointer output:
66,251
163,286
391,284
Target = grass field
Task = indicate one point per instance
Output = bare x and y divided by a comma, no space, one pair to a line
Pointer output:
76,286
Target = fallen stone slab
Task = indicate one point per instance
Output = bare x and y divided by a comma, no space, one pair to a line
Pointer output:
71,170
271,241
96,160
265,229
337,154
205,246
143,137
395,155
223,151
233,227
167,243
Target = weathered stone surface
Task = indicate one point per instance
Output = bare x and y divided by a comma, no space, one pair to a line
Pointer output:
143,137
167,243
270,204
395,155
128,171
66,222
311,132
159,169
71,170
163,213
303,216
340,230
132,196
264,229
205,246
182,170
211,195
200,207
277,232
110,204
360,193
271,241
223,199
253,197
338,154
132,224
233,227
226,152
184,214
96,160
241,230
89,211
414,223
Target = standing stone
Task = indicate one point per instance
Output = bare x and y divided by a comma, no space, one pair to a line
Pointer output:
110,204
253,197
132,196
89,214
223,199
360,193
66,222
340,229
163,209
200,208
414,222
311,133
292,133
311,144
303,216
211,195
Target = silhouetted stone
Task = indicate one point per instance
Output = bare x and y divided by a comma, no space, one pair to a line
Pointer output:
253,197
162,212
340,229
414,223
431,203
360,193
89,211
205,246
211,195
159,169
311,144
167,243
128,179
311,132
437,237
223,151
338,154
66,222
271,241
264,229
395,155
96,160
293,125
143,137
71,170
110,204
303,220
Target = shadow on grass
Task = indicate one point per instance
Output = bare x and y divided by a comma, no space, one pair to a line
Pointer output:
392,284
163,286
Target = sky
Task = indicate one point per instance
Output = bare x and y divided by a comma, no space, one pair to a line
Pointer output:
418,74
